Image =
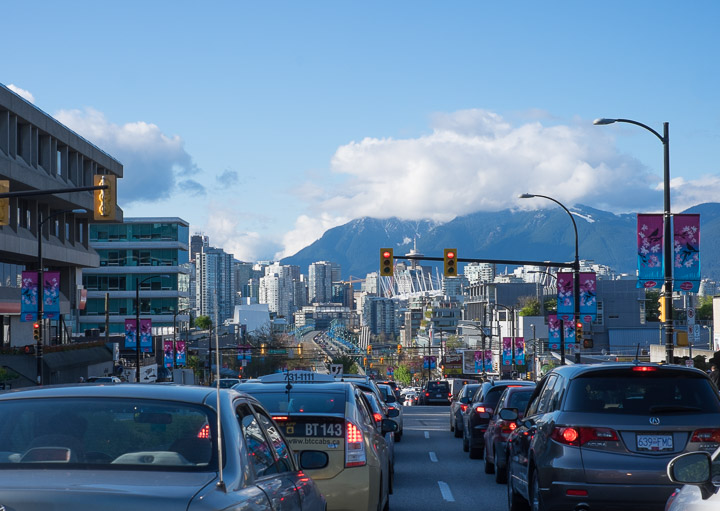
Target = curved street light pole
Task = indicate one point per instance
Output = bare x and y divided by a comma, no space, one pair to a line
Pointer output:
138,282
576,275
41,290
667,234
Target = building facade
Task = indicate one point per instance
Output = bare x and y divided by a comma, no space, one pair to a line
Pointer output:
320,282
215,294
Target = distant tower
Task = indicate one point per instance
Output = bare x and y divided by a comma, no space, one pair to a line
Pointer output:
414,252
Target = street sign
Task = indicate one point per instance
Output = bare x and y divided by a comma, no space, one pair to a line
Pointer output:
691,316
336,369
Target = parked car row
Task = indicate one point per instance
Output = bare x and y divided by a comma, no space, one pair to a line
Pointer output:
603,436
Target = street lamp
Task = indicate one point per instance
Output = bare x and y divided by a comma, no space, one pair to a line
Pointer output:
667,234
41,290
576,273
175,315
511,310
138,283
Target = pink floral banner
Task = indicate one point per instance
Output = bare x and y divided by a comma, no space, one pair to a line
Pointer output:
146,335
507,351
51,294
520,351
180,359
130,334
565,301
686,252
588,296
553,332
168,355
29,296
650,250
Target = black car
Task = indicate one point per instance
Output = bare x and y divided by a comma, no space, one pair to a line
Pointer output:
477,415
435,392
458,406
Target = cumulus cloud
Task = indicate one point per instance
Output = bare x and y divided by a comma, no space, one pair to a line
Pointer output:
26,95
475,160
227,178
152,160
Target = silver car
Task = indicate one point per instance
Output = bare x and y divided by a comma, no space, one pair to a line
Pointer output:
136,446
601,436
392,403
699,473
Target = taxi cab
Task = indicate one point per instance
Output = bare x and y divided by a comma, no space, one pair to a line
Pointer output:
330,425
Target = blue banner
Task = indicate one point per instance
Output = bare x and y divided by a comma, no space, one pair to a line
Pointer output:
565,301
686,262
650,251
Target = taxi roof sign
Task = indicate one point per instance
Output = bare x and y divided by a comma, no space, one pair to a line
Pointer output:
297,376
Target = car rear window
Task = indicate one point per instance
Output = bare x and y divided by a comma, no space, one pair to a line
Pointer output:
439,386
642,393
297,401
519,399
493,396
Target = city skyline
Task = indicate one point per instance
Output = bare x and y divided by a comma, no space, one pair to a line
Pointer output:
265,125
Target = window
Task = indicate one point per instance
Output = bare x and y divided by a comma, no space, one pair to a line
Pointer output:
545,400
282,450
259,450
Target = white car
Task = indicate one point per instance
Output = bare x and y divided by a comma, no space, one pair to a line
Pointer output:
699,473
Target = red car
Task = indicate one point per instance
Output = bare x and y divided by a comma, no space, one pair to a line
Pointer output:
498,430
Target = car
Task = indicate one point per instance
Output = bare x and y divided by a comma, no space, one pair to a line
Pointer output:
458,406
477,416
103,379
435,392
379,414
601,436
394,386
498,430
698,473
410,398
394,404
137,446
226,383
330,422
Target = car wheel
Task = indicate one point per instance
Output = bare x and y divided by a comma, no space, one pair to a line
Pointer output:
398,435
500,472
452,426
476,453
458,432
466,444
536,503
489,467
515,501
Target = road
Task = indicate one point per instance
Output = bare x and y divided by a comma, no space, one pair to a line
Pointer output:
432,472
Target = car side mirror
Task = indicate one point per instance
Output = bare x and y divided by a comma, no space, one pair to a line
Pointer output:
389,426
693,468
508,414
393,412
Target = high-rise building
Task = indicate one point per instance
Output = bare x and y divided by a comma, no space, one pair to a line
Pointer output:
149,253
215,284
277,289
197,242
379,314
320,282
479,272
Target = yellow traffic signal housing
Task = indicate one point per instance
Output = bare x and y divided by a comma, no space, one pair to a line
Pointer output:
399,349
105,201
578,331
663,312
369,349
4,203
365,361
386,262
36,331
382,360
450,262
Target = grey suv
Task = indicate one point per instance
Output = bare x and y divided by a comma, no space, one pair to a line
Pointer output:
601,436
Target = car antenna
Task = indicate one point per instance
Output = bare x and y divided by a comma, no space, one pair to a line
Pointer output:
637,354
221,482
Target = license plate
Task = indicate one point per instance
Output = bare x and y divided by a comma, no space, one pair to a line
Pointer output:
438,395
654,442
316,429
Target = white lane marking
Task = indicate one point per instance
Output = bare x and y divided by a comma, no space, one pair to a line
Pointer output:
445,491
433,457
427,434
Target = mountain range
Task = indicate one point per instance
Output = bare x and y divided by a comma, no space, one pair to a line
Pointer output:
540,235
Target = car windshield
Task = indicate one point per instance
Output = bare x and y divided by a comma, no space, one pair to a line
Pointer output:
94,433
642,393
439,386
297,401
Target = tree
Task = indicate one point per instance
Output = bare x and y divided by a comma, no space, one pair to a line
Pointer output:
531,307
454,343
402,375
203,322
652,305
705,309
550,305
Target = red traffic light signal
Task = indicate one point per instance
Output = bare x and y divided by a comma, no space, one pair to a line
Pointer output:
578,331
386,262
36,331
450,262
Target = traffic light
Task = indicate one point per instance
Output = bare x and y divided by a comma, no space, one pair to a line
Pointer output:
399,349
662,316
369,349
386,262
36,331
578,331
450,260
365,361
105,201
262,349
4,203
300,349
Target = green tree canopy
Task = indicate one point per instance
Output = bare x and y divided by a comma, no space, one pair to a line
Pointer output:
402,375
531,307
203,322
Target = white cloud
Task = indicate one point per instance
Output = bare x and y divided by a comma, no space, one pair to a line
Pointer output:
307,230
152,160
224,228
26,95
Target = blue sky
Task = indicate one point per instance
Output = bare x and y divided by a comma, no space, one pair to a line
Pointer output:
265,123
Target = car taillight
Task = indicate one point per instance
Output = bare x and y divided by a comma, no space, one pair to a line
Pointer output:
463,407
354,446
706,435
644,369
204,431
480,409
280,418
427,394
377,417
507,427
576,436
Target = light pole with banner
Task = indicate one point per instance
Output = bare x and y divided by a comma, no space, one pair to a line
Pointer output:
138,283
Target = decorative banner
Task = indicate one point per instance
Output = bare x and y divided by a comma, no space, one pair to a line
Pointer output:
507,351
130,335
553,332
146,335
520,351
51,294
588,295
569,331
650,251
29,293
479,362
244,352
82,299
180,359
488,360
429,362
565,302
686,250
168,353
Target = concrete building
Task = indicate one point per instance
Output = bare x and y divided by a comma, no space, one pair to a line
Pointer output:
277,289
38,153
215,284
320,282
151,252
380,315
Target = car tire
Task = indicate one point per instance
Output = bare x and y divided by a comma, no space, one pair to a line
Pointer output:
398,435
500,472
489,467
452,426
466,444
536,503
458,432
515,501
476,453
